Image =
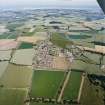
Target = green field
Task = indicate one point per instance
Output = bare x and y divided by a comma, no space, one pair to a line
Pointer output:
12,36
12,26
4,36
73,86
12,97
16,77
46,83
79,36
9,35
85,43
88,42
25,45
60,40
91,94
86,67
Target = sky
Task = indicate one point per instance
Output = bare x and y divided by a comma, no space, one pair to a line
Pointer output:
56,3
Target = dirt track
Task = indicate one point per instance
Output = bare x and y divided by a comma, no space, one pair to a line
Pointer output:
64,86
81,86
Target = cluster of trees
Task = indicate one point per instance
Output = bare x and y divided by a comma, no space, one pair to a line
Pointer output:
41,99
73,102
50,100
55,22
97,80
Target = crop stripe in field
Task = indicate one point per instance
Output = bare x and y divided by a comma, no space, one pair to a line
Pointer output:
61,84
81,86
29,88
64,86
49,69
17,88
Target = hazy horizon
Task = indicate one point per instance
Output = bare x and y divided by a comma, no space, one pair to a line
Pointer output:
48,4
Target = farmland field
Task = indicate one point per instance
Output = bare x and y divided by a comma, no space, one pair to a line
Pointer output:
14,36
12,97
25,45
82,38
90,68
88,42
16,77
60,63
95,57
32,39
7,44
3,29
46,83
23,57
4,36
5,55
72,89
60,40
43,34
9,35
3,66
92,94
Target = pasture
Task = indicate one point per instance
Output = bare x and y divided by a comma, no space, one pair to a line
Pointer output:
4,36
13,35
60,63
41,34
9,35
3,66
25,45
73,86
3,29
46,83
33,39
86,67
23,57
12,97
92,94
7,44
60,40
5,55
16,77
